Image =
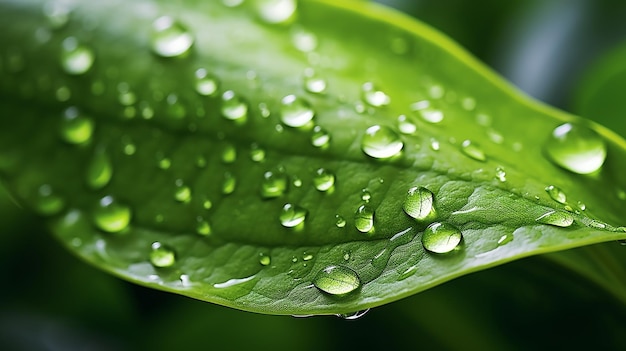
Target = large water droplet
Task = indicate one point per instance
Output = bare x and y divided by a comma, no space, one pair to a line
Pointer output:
337,280
48,203
295,111
111,216
170,38
576,148
206,84
324,180
364,219
162,256
556,218
276,11
320,137
381,142
441,238
556,194
234,107
76,128
374,96
292,215
75,58
472,150
419,203
274,184
99,171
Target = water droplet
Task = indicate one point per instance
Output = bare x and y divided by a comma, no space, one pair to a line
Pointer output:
427,113
163,162
353,316
276,11
170,38
364,219
505,239
405,126
206,84
295,111
468,104
229,153
366,195
337,280
63,93
76,59
313,83
434,144
182,192
100,170
472,150
581,205
111,216
125,97
500,174
265,259
234,108
257,154
57,14
296,181
274,184
324,180
320,137
419,203
436,91
374,96
307,257
48,203
292,215
128,147
162,256
340,222
441,238
229,184
304,41
556,218
381,142
203,227
76,128
576,148
556,194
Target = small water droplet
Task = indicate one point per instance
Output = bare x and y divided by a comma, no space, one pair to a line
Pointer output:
75,58
274,184
427,113
128,147
468,104
500,174
556,218
182,193
314,83
381,142
265,259
505,239
76,128
556,194
472,150
229,153
581,205
441,238
436,91
405,126
364,219
257,154
126,97
276,11
296,181
373,96
162,256
48,203
57,14
163,162
434,144
229,184
234,107
337,280
340,222
296,112
203,227
366,195
353,316
324,180
100,170
170,38
320,137
111,216
304,41
292,215
63,93
206,84
419,203
576,148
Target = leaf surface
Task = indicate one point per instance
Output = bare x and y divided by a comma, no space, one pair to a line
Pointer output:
146,132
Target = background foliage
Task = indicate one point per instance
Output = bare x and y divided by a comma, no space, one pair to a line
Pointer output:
560,51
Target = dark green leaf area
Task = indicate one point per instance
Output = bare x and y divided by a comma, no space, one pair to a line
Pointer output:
230,155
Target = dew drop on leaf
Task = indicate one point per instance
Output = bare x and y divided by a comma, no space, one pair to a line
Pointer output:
276,11
233,107
257,154
320,137
304,41
162,256
337,280
99,171
405,126
274,184
340,222
353,316
76,59
182,193
381,142
324,180
373,96
76,128
418,203
229,153
426,112
57,14
292,215
265,259
47,202
556,194
229,184
441,237
111,216
556,218
366,195
206,84
472,150
295,111
314,83
170,38
364,219
203,227
576,148
501,174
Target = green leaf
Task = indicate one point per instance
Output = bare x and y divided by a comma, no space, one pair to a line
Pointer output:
318,159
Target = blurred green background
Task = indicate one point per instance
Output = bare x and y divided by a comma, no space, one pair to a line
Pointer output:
568,53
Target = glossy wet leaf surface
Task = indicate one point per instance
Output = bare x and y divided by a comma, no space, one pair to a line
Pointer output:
148,144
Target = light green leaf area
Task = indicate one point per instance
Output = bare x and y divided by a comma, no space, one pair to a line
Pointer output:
314,159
